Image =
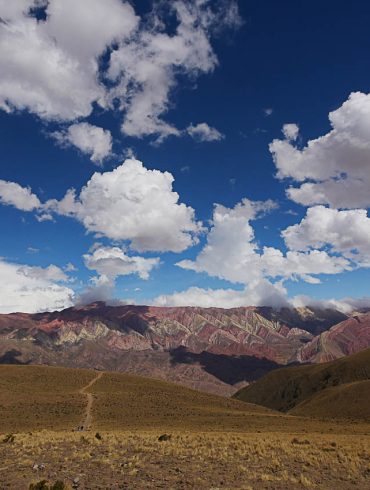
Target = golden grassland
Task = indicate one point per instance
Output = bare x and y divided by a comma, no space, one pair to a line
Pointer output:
39,397
137,460
215,442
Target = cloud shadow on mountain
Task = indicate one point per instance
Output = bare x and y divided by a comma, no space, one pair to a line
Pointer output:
229,369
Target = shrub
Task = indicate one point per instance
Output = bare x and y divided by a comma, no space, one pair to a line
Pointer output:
9,438
44,485
164,437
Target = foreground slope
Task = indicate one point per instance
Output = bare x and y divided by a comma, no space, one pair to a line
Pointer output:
338,388
40,397
211,442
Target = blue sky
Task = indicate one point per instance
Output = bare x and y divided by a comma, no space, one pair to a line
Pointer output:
199,90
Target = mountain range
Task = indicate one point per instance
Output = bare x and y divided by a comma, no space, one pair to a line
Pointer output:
211,349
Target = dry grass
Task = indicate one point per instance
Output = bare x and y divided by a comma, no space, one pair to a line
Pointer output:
215,442
39,397
189,460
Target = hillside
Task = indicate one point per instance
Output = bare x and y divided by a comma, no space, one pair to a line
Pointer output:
41,397
350,401
211,349
347,337
329,389
137,432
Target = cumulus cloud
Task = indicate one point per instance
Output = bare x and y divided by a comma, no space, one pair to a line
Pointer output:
33,289
91,140
51,66
232,253
112,262
12,194
345,232
260,293
132,203
203,132
335,168
129,203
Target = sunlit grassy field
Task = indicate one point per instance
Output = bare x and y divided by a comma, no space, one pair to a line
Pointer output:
213,442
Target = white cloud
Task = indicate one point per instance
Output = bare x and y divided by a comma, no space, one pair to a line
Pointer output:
70,267
129,203
259,293
335,166
32,289
291,131
12,194
346,232
203,132
145,70
112,262
91,140
51,67
346,305
232,253
132,203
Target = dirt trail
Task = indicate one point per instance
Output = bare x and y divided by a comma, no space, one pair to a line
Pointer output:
86,423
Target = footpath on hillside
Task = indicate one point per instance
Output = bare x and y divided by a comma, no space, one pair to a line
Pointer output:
86,423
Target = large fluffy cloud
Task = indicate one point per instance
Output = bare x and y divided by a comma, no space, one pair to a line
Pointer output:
346,232
335,166
132,203
89,139
51,66
33,289
112,262
232,253
129,203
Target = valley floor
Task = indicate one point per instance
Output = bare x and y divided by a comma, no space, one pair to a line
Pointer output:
189,460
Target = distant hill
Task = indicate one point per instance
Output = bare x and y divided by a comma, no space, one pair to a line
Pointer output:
347,337
211,349
42,397
338,388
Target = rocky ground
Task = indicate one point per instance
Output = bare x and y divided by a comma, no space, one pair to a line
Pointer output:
119,460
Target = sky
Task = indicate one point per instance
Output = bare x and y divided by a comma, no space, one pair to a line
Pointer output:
187,152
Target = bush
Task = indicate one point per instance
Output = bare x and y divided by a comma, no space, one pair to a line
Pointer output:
9,438
41,485
44,485
164,437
